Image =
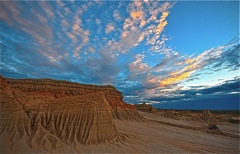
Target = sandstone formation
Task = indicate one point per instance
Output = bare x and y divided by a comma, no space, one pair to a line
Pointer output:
51,115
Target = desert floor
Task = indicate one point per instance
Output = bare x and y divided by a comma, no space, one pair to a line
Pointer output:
154,137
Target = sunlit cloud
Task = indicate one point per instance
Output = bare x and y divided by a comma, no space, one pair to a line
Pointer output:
137,14
174,79
162,23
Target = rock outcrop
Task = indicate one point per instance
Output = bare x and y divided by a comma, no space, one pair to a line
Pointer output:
170,114
145,108
48,115
207,116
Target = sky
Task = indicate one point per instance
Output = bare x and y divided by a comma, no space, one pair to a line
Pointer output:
171,54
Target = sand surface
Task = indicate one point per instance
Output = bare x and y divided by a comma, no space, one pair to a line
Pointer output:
161,138
154,137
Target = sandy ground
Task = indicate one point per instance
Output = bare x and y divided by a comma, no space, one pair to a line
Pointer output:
153,137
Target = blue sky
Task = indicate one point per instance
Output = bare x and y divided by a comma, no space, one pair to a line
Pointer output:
171,54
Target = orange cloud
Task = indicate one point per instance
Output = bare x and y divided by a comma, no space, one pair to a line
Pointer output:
164,16
141,37
162,23
174,79
143,22
160,27
136,14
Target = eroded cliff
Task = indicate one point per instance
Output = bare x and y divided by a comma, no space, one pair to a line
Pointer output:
41,90
48,115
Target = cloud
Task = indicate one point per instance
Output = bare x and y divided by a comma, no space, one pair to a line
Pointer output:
138,66
116,15
91,49
41,35
226,87
132,29
216,57
165,62
42,27
230,58
128,23
174,79
136,14
162,23
162,79
154,27
109,28
202,93
127,41
47,7
102,70
39,26
145,28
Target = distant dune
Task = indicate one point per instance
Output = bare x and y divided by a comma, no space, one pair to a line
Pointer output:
44,115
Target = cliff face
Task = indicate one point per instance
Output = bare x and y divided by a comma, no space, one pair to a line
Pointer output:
41,90
48,115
